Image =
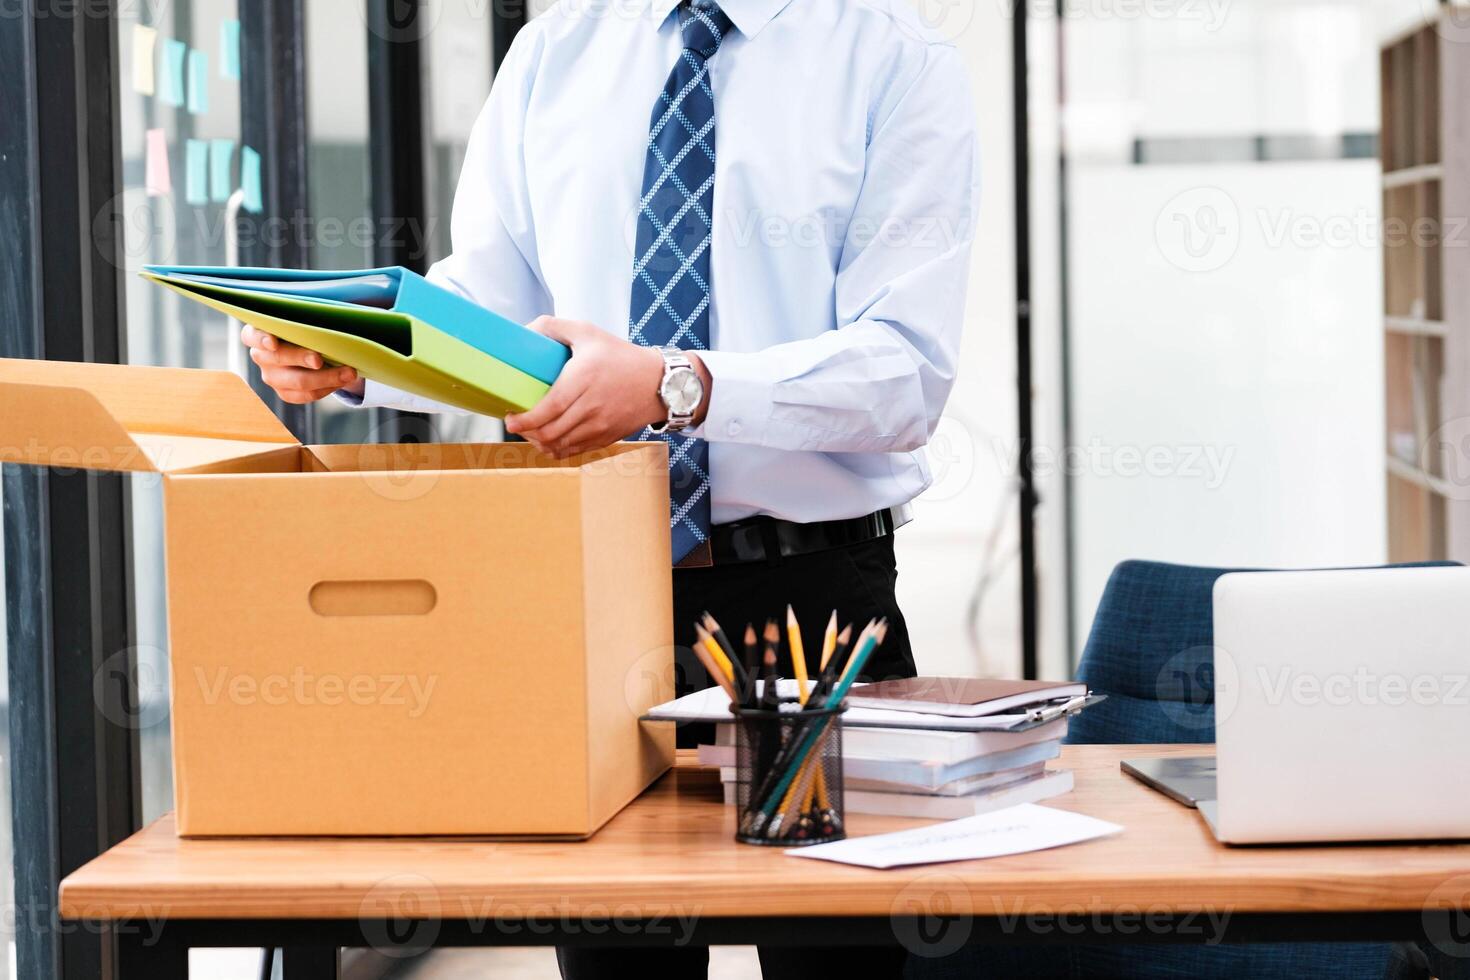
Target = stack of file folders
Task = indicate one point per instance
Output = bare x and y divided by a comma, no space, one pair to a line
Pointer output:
925,763
391,326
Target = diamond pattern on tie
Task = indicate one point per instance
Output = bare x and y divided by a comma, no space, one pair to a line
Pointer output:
671,281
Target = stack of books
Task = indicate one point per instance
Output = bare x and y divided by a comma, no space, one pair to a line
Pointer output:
934,747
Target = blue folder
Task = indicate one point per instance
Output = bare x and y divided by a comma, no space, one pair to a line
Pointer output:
401,291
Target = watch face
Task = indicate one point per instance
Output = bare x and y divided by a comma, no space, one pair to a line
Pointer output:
682,390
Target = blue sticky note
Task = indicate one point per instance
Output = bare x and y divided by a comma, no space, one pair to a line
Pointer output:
229,50
171,85
198,82
250,179
196,172
221,166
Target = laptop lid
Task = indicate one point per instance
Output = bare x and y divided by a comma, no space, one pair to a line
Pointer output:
1342,705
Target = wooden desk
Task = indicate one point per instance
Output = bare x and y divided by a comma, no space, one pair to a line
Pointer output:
667,870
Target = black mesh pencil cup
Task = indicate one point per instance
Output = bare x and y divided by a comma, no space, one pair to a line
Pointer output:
788,789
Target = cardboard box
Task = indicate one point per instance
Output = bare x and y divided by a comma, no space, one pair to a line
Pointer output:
382,639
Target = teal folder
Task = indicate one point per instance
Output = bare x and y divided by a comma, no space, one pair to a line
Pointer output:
382,344
400,291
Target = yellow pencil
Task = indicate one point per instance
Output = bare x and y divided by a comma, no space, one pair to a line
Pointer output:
708,642
798,655
716,672
829,640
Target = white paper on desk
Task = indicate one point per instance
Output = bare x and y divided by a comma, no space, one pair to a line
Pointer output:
1014,830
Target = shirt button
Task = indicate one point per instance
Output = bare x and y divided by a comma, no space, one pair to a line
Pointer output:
733,427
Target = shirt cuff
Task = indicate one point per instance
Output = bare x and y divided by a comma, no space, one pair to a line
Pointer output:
373,395
740,398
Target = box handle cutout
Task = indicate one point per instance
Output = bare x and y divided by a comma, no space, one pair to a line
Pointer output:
405,597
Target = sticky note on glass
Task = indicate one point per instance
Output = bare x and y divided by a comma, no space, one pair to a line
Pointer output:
145,50
171,85
198,82
229,50
250,179
221,170
196,172
156,176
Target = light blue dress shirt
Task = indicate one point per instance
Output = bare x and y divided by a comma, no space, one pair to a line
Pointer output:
845,201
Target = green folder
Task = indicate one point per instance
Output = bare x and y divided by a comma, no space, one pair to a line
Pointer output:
391,348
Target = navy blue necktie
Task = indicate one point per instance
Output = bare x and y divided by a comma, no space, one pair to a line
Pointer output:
671,281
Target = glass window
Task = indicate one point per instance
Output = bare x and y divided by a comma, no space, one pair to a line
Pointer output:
343,231
1226,288
185,173
458,67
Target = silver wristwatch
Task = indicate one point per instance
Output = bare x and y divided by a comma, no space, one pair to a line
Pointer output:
681,391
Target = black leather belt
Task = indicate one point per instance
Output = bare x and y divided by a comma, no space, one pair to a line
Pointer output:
770,540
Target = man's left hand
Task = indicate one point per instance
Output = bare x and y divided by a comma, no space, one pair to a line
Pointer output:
607,392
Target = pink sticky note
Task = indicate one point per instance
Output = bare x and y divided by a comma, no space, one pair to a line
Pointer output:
159,183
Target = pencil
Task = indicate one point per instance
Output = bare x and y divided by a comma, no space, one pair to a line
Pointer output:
834,663
873,636
752,666
716,673
718,655
714,630
770,696
829,641
798,654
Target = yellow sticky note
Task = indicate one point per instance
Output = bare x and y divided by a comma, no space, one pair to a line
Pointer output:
145,44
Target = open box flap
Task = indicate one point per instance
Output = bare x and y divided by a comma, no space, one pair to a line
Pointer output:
128,418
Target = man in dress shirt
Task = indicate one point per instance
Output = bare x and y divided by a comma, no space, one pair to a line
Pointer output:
751,223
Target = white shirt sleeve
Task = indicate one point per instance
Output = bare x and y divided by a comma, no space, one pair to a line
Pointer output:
878,383
494,262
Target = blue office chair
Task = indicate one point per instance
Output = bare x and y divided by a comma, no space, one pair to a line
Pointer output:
1150,652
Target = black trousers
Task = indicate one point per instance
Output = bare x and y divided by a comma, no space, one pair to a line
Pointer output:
859,583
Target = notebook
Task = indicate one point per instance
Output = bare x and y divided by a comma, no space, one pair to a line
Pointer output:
391,326
961,697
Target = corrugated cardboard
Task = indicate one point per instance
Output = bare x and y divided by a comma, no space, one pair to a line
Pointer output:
374,640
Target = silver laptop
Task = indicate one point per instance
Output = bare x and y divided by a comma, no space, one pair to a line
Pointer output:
1342,708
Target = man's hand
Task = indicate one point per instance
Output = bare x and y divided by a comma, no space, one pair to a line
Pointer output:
608,391
298,375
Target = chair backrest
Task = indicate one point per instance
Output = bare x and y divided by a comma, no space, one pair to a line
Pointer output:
1151,651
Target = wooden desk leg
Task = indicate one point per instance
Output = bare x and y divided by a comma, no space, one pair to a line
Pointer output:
311,963
148,953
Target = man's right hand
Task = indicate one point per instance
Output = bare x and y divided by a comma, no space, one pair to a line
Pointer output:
298,375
